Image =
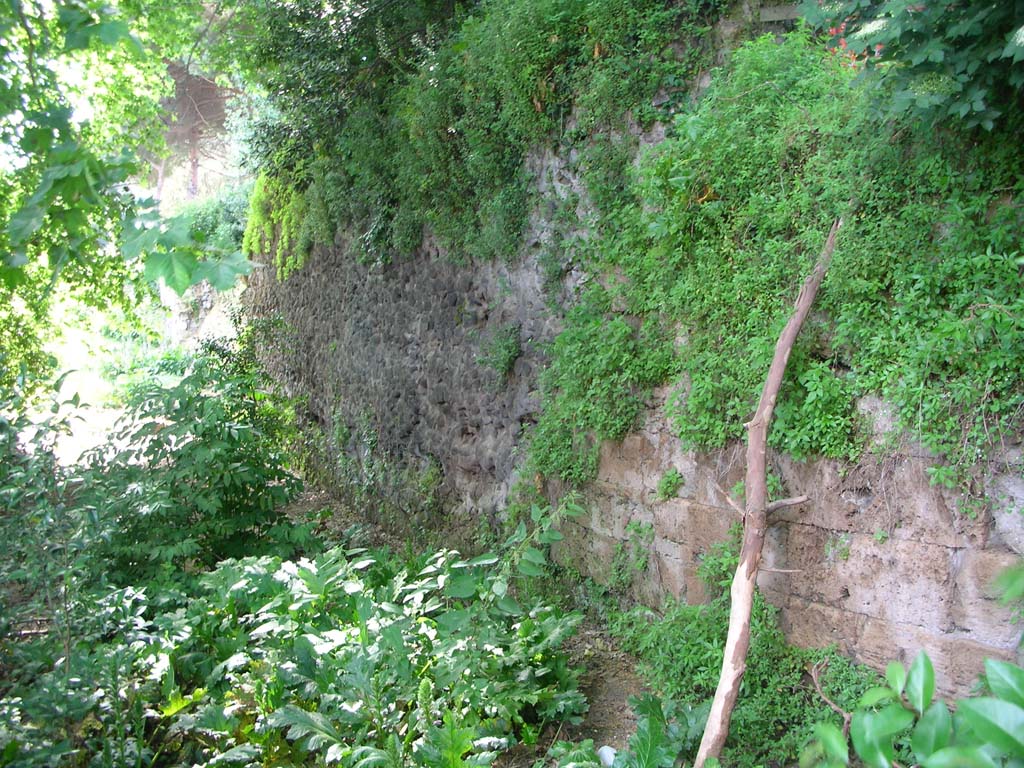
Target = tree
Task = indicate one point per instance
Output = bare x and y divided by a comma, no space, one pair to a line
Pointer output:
80,96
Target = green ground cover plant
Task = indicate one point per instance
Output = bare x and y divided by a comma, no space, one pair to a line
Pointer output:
600,365
680,657
158,608
937,62
349,658
922,303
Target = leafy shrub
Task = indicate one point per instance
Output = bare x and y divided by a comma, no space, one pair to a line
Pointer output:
220,220
502,350
344,658
936,60
196,473
599,365
669,484
720,227
985,730
439,109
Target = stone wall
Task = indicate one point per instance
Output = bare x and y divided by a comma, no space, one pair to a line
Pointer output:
878,561
397,346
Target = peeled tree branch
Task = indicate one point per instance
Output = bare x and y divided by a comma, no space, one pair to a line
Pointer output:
755,517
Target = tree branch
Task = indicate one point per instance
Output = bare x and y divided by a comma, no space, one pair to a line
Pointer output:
741,593
816,670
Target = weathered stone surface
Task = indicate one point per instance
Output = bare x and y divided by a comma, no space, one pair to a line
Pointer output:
957,660
878,560
1006,489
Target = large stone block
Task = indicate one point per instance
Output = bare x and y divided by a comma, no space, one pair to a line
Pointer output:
976,611
814,625
958,660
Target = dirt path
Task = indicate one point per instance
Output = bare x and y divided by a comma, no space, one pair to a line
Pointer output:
608,681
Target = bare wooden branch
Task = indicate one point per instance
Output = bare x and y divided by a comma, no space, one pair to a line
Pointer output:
816,670
741,593
775,506
766,569
730,501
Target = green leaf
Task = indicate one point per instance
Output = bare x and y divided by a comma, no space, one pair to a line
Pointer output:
1006,681
921,683
535,556
932,731
508,605
832,742
890,721
486,559
1010,583
1015,45
959,757
175,268
25,223
139,241
317,729
872,733
649,745
243,753
896,676
998,722
222,273
550,536
444,747
461,586
530,569
111,32
873,696
177,703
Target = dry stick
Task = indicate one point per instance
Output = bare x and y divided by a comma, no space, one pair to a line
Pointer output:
729,500
817,670
734,662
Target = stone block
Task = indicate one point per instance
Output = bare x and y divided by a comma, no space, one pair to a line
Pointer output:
1007,494
976,611
894,580
815,625
958,661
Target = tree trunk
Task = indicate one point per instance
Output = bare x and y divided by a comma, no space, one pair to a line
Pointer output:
741,593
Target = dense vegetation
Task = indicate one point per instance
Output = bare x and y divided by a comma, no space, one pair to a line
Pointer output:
922,304
680,654
700,249
159,606
152,616
434,134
